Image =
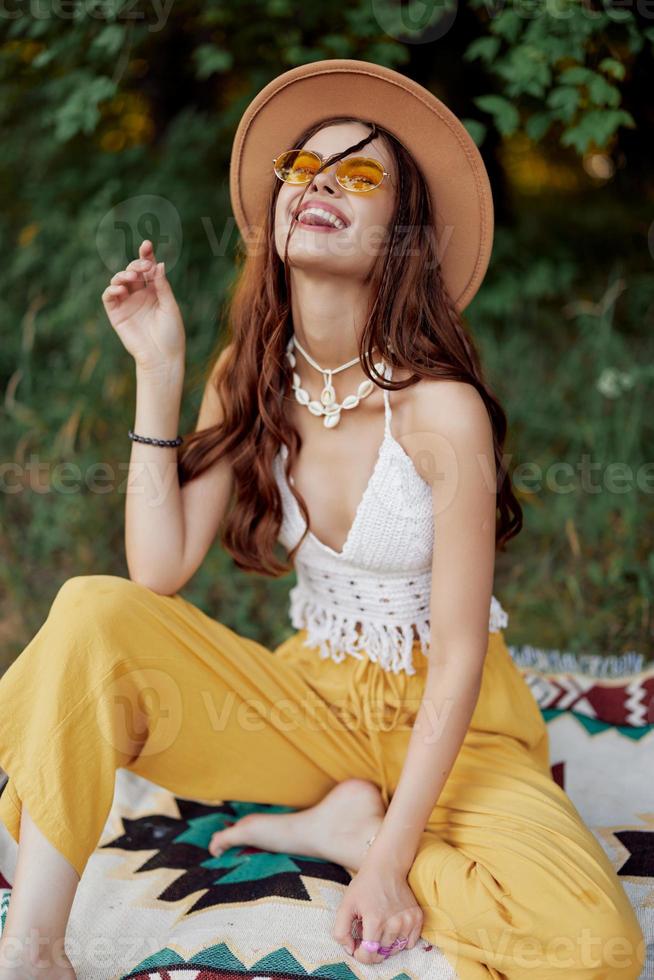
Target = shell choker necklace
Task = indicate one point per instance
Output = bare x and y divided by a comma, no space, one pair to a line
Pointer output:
328,407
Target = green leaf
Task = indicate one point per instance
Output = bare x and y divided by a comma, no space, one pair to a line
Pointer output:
613,67
111,9
386,53
80,113
339,45
110,39
17,28
504,113
578,75
210,59
38,28
620,16
278,8
538,124
635,39
602,92
485,48
508,25
476,129
298,54
564,100
43,58
596,126
526,71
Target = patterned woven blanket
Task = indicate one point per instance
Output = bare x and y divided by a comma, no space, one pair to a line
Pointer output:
151,907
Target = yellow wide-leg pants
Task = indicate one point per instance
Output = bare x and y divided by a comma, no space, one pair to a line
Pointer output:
511,882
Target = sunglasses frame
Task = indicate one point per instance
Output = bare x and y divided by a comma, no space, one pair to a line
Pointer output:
320,157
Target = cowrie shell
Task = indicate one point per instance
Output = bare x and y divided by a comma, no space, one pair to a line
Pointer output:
327,395
315,408
350,401
297,380
302,396
364,388
291,359
332,409
331,420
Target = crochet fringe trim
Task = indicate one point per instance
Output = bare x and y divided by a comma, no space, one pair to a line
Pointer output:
591,664
499,619
336,636
389,645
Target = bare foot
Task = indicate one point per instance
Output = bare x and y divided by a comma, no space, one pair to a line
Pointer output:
336,829
16,965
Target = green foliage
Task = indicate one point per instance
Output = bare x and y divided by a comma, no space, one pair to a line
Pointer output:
117,125
578,396
211,59
505,115
553,66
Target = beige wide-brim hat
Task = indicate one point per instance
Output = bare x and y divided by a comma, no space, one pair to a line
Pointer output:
439,143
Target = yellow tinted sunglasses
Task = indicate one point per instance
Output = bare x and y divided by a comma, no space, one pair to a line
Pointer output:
358,174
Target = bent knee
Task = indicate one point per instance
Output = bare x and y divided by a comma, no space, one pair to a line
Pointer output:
620,944
94,605
588,931
601,945
81,591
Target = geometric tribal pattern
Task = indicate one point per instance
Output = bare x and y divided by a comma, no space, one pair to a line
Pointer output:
624,702
243,874
219,963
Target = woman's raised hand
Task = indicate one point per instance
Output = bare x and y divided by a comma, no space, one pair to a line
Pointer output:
144,313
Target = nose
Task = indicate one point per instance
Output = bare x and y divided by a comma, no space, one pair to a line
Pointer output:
326,180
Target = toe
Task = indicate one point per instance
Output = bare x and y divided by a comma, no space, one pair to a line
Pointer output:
222,840
239,832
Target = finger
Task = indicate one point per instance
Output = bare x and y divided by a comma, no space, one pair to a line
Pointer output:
389,935
414,935
397,931
150,273
371,933
412,926
124,274
115,292
140,265
146,250
164,291
146,271
342,930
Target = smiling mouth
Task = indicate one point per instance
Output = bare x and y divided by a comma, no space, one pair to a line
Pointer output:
315,217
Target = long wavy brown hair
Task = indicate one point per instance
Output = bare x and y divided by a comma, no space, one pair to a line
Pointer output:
412,323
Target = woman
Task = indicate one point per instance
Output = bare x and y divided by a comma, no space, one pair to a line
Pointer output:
349,398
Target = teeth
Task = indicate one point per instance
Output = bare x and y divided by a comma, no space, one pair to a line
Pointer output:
320,212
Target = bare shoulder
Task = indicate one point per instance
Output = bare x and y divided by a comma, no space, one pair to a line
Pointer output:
454,409
223,359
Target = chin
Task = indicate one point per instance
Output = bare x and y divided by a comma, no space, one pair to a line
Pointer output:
337,259
321,264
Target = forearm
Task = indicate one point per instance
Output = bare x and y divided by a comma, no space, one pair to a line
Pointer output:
154,520
443,717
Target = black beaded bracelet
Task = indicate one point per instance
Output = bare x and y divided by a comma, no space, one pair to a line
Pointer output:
155,442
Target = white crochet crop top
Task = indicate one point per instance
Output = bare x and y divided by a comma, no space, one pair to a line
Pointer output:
371,598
